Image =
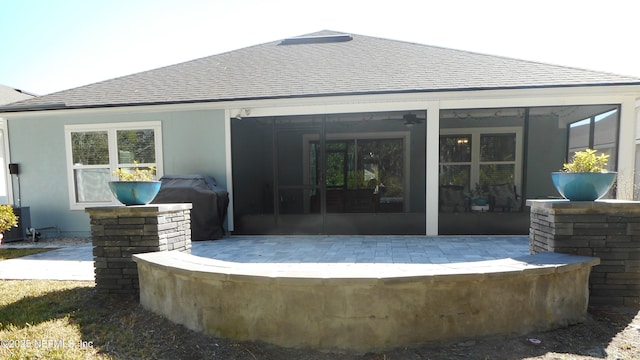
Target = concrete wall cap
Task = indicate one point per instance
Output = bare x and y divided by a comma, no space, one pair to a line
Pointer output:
191,265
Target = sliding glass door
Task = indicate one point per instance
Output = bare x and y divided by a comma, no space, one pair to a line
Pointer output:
332,174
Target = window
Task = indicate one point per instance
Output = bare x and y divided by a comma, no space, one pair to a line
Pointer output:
598,132
484,156
95,151
364,163
357,164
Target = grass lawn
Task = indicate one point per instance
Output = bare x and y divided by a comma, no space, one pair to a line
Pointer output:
46,319
12,253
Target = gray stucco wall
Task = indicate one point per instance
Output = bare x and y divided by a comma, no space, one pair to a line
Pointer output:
193,143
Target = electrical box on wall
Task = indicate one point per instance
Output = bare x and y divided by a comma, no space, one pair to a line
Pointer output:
14,169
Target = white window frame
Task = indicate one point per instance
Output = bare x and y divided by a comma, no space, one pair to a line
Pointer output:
111,129
6,160
475,163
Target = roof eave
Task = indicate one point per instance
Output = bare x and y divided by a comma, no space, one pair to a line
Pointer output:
63,106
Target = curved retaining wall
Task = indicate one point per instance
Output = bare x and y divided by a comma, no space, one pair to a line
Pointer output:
365,307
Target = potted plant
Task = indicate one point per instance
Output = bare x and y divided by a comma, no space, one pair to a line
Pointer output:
479,196
585,178
135,186
8,219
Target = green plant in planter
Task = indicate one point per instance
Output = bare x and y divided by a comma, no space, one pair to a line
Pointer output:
479,195
587,161
137,174
135,186
8,219
585,178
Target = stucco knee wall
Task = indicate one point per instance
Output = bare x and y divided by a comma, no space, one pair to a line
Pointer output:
365,307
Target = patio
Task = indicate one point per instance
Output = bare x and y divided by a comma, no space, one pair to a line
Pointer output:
75,262
363,293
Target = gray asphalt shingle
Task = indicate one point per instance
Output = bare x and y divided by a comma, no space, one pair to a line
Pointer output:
363,65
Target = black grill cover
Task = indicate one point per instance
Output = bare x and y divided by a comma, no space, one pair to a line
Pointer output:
209,202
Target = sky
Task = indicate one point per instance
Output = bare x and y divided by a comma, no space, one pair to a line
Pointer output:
52,45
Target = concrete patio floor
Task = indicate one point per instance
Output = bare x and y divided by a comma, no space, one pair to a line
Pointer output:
75,262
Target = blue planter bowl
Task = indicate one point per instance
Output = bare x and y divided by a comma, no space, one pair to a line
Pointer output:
135,192
480,202
583,186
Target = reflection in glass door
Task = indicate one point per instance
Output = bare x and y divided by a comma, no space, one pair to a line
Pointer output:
363,175
299,195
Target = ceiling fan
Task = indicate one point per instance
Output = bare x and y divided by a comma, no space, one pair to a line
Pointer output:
411,119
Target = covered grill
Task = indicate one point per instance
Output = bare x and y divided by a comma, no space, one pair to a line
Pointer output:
209,202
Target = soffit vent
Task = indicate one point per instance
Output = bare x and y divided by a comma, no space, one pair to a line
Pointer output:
317,39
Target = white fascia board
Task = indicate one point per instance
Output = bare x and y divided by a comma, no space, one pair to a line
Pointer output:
446,100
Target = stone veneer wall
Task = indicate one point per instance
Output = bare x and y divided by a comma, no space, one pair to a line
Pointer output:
607,229
121,231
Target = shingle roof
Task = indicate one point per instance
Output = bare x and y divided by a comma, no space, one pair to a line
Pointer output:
363,65
9,95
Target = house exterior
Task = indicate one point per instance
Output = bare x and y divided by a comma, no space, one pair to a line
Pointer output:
329,133
7,95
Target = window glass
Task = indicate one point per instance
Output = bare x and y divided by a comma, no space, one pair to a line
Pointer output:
579,135
455,148
455,175
496,174
498,147
605,135
474,158
337,164
381,165
598,132
378,172
90,148
136,145
91,185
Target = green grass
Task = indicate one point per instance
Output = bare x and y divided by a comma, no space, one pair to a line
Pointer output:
46,319
38,319
12,253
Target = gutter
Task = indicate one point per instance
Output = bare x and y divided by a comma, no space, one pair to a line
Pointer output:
62,105
33,107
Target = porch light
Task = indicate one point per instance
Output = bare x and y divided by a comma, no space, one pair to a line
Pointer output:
463,141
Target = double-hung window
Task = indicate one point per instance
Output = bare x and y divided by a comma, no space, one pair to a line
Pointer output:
483,156
95,151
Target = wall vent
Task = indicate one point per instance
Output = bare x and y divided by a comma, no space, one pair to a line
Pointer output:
317,39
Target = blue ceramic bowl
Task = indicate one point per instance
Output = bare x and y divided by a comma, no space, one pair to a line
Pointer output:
583,186
135,192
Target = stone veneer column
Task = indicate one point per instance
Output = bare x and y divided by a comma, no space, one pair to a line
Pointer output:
121,231
608,229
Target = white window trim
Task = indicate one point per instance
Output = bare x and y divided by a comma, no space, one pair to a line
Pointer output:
474,176
111,128
7,161
404,135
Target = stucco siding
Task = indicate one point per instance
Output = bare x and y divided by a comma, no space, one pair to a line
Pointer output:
193,143
37,144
